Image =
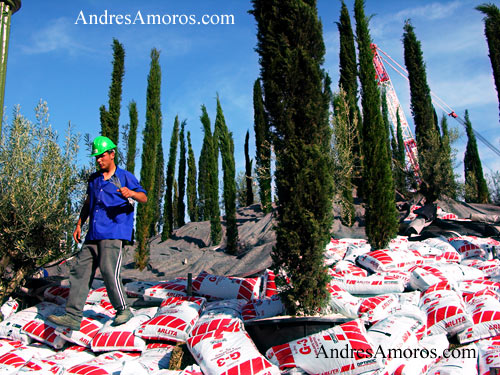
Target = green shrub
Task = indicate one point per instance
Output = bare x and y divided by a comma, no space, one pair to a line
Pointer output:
38,182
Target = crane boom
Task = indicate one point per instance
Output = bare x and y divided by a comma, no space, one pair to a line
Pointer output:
395,108
435,99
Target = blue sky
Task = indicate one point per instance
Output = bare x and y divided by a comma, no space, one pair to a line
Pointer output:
54,56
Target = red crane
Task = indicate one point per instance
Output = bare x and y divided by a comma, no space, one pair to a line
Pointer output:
394,109
392,101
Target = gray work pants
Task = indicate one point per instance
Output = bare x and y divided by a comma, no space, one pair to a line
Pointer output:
107,255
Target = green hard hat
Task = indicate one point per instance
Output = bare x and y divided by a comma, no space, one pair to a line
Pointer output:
101,145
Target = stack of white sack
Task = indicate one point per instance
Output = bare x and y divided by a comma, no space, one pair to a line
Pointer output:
401,307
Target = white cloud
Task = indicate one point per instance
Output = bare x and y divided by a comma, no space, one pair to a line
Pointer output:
434,11
56,36
466,91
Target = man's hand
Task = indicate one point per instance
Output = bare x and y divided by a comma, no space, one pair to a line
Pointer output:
126,192
77,234
139,196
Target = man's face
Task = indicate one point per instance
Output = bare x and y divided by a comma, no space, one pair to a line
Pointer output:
105,160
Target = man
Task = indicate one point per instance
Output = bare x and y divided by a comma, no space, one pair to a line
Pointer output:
109,204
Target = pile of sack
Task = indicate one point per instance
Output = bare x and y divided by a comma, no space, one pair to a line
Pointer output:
403,306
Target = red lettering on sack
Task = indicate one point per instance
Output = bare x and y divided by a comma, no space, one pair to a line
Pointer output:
167,331
305,349
454,322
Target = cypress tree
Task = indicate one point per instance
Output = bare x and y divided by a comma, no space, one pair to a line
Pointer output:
248,173
450,189
109,119
191,183
151,133
203,212
349,82
181,179
213,185
175,202
399,158
476,189
394,150
168,213
262,148
492,32
343,149
226,147
291,49
208,180
157,194
387,124
426,130
132,136
380,213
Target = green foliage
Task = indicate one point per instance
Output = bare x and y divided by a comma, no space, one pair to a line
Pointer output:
132,136
291,50
450,188
226,147
168,213
203,180
398,155
387,124
151,134
476,189
343,148
492,32
38,181
241,189
349,83
157,194
380,211
175,202
262,148
109,119
181,207
191,183
208,180
426,130
248,173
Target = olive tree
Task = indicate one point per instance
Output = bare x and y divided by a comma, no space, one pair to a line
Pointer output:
39,186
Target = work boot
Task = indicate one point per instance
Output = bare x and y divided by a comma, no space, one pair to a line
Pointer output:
65,320
122,316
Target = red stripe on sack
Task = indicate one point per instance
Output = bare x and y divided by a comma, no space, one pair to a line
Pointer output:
199,280
284,356
258,365
195,340
246,288
246,368
12,359
41,330
270,283
115,339
213,325
89,328
347,368
437,315
170,321
87,370
249,313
